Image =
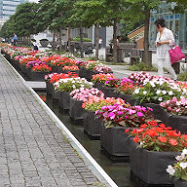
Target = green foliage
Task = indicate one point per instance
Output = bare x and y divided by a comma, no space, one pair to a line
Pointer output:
142,67
182,76
44,40
84,39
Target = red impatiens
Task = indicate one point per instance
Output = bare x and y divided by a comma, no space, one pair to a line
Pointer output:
154,137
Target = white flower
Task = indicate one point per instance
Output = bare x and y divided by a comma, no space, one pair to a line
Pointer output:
170,170
136,91
164,92
144,92
183,165
170,92
158,92
180,157
152,84
184,151
160,99
73,86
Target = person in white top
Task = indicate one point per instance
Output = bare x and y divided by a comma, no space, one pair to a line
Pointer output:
164,41
100,41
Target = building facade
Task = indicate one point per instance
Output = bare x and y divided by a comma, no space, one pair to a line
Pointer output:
175,22
8,7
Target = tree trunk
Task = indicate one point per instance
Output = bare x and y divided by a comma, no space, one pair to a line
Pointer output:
69,41
147,59
97,41
81,42
115,41
53,44
60,40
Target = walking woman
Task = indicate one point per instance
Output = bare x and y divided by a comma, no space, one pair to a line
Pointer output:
164,40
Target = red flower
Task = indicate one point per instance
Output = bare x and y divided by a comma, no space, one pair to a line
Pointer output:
162,139
127,130
173,142
143,126
136,139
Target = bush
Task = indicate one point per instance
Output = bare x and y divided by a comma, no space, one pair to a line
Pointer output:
142,67
77,39
182,76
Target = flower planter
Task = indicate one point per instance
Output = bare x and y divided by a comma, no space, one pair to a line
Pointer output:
66,71
128,99
64,100
38,76
76,111
150,166
158,112
28,72
44,43
92,125
55,95
23,68
82,72
115,142
98,85
54,69
109,92
178,122
49,88
180,183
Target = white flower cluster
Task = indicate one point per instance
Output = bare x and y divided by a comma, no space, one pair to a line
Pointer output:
183,163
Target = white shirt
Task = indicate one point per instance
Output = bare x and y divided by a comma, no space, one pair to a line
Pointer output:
100,41
162,51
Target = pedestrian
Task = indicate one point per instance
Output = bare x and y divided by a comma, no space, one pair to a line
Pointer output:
35,45
100,41
15,38
164,40
118,40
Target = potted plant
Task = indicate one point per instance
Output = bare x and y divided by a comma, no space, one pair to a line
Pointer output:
39,72
100,79
155,91
44,42
179,170
92,124
65,86
177,113
126,89
116,119
109,88
73,68
154,148
79,96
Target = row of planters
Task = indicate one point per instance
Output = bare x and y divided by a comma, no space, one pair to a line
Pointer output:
28,61
153,147
125,129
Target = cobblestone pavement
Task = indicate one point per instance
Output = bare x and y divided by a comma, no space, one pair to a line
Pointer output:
33,152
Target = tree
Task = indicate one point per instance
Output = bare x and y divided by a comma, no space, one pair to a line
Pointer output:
145,7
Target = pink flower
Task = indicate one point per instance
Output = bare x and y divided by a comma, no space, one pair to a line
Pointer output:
139,114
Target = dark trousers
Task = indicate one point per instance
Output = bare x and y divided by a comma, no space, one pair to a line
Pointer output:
15,42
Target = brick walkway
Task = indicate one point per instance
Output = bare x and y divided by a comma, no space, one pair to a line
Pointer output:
33,152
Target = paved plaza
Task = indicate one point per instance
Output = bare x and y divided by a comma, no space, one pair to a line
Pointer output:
33,151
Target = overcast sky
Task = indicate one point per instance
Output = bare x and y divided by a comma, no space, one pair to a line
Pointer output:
33,1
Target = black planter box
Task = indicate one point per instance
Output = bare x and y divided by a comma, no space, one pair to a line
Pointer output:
55,95
109,92
28,72
180,183
115,142
38,76
98,85
82,72
179,123
92,125
158,112
64,100
54,69
76,111
23,68
49,88
89,74
150,166
128,99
